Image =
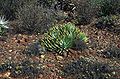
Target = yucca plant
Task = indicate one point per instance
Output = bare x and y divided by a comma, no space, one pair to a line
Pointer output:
3,25
62,37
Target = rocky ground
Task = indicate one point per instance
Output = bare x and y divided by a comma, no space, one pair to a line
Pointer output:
15,64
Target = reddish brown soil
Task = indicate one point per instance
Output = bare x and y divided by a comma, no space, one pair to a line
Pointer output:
11,47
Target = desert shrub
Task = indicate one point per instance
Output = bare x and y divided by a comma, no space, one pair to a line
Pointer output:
9,7
25,68
85,69
34,49
86,10
34,19
106,7
62,37
65,5
111,52
46,3
110,22
104,21
79,45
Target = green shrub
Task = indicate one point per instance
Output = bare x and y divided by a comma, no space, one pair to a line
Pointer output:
109,7
109,22
104,21
62,37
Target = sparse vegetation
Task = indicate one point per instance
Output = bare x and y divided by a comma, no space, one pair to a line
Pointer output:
111,23
34,49
83,69
59,39
34,19
25,68
111,52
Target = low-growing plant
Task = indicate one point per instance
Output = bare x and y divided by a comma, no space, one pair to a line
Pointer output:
87,69
62,37
106,7
60,6
6,8
10,7
86,10
111,52
25,68
3,25
112,23
34,49
104,22
46,3
34,19
64,5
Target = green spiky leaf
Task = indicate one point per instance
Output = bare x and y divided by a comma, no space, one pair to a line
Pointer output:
62,37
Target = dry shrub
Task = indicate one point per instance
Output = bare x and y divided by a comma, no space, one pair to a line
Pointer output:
86,10
33,19
9,7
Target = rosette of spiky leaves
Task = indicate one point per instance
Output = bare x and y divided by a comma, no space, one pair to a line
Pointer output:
3,25
62,37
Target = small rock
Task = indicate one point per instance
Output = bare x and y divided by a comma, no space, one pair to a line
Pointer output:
7,74
33,40
59,58
50,65
10,50
42,56
8,45
9,58
20,35
40,76
113,73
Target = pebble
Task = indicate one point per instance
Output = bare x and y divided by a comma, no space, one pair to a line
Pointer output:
9,58
59,58
7,74
10,50
50,65
113,73
20,35
33,40
42,56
